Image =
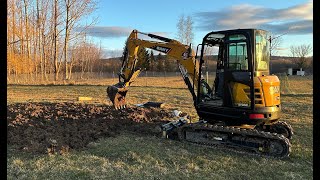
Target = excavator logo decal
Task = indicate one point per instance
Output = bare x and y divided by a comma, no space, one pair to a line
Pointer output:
161,49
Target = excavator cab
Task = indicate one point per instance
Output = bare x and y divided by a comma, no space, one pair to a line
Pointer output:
242,84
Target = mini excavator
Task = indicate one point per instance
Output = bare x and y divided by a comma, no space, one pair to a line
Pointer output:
240,109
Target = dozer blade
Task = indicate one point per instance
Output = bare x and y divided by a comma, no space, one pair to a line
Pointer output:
117,95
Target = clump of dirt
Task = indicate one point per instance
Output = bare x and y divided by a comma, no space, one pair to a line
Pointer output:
58,127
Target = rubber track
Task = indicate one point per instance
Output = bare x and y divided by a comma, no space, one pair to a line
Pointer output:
250,133
285,124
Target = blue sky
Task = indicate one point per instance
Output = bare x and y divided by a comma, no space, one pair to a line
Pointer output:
118,18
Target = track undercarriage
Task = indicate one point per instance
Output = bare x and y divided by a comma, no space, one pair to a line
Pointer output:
245,140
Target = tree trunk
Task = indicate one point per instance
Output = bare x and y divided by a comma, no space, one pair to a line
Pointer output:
27,37
21,43
56,66
66,55
70,69
66,39
13,36
39,35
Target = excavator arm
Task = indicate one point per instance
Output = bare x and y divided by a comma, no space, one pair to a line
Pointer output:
183,54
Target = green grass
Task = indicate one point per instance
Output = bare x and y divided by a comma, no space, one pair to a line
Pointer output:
133,156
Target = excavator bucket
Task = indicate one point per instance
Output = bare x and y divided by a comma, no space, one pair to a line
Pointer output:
117,94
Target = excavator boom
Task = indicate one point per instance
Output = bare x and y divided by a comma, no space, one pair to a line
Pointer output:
185,57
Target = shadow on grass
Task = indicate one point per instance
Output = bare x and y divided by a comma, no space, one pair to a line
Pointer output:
298,95
53,85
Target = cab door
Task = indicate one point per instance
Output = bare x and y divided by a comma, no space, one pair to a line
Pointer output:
237,76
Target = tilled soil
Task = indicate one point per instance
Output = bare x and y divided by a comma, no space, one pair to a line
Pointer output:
59,127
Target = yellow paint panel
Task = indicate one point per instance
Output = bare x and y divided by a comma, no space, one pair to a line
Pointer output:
240,98
271,89
133,77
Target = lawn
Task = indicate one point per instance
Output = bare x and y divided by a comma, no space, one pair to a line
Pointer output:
134,156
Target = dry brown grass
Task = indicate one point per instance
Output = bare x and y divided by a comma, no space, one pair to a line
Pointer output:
296,84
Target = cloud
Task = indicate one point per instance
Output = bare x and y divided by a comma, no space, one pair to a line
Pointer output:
294,27
106,31
111,53
303,11
114,32
297,19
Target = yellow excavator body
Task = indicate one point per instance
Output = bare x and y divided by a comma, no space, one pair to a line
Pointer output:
242,104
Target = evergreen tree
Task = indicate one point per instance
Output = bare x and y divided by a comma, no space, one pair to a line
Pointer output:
167,64
160,62
124,51
152,62
143,59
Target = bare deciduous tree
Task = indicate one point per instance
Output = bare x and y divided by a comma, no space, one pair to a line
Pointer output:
276,41
74,9
189,35
185,30
300,53
55,40
39,34
181,29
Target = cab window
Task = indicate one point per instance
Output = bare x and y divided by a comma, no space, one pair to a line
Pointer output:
237,53
262,51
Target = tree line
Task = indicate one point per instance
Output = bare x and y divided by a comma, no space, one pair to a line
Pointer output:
45,37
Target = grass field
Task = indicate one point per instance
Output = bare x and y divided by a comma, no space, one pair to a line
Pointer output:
132,156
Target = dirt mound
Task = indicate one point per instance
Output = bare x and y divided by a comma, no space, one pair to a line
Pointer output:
59,127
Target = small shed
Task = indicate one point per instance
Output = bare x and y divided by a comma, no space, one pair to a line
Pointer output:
297,72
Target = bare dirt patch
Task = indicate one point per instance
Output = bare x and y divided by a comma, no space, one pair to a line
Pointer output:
59,127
